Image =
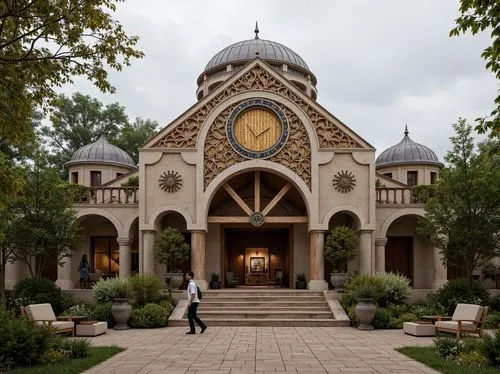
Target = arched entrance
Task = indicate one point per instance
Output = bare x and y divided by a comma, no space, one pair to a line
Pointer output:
260,216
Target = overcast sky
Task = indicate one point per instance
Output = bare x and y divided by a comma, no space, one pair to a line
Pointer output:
379,64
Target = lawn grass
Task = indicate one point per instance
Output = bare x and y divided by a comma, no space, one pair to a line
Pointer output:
428,357
67,366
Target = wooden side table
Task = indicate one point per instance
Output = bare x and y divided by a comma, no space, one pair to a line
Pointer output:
75,319
432,319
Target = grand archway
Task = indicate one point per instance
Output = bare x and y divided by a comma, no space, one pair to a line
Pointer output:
263,221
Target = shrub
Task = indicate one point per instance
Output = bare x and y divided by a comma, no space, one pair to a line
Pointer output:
102,312
458,291
492,348
494,303
81,309
448,347
397,323
39,291
351,313
397,310
145,289
473,359
397,289
53,356
492,321
21,343
358,280
166,297
167,305
77,348
108,289
381,319
151,316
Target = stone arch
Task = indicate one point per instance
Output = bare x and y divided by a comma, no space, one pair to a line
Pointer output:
393,217
249,166
82,213
129,224
165,209
348,209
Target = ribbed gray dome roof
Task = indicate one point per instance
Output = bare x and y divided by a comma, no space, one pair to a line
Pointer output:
101,152
407,152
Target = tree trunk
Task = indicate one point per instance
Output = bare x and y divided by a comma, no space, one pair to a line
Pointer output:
3,301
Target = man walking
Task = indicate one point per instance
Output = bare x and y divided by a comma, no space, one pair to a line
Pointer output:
192,294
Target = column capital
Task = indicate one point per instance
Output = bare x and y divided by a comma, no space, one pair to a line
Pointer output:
366,231
198,231
380,241
123,241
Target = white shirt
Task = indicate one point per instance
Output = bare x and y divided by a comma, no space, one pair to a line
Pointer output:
192,289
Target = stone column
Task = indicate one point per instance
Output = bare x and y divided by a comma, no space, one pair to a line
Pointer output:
148,251
380,254
365,251
198,258
125,256
317,261
439,273
64,272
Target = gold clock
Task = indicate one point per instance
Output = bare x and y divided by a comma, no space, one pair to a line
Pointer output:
257,128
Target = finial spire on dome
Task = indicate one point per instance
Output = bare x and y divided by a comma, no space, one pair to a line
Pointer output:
256,31
406,130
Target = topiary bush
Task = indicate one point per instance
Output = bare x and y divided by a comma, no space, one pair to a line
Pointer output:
105,290
169,307
145,289
382,319
21,342
151,316
102,312
39,291
458,291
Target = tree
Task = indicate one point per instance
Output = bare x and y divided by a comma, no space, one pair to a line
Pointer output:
45,43
81,120
42,226
171,249
477,16
463,217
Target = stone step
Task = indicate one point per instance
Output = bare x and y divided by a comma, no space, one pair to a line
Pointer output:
270,292
246,304
265,322
255,298
231,307
268,314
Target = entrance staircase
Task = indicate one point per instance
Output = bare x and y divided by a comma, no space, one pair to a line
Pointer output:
265,307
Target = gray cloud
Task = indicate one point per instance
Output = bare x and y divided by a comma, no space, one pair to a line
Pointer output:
379,64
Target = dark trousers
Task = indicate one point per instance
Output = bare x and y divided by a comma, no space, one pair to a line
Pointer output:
193,317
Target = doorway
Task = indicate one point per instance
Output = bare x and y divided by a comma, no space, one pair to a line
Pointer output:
399,256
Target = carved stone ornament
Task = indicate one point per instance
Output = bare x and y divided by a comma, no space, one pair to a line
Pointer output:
220,155
344,181
185,134
170,181
257,219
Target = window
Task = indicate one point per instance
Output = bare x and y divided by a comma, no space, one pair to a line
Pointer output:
412,178
434,177
388,175
74,177
95,178
118,175
105,254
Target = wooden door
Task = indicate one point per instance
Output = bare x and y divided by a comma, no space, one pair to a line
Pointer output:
399,255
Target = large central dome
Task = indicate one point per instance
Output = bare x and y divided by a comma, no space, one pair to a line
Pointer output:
232,59
247,50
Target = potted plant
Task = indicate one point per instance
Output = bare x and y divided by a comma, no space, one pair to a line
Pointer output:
341,246
121,308
300,281
172,250
214,281
365,309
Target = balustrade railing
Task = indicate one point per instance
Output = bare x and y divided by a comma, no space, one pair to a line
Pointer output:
108,195
399,195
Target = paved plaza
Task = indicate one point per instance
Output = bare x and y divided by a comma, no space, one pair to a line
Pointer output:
259,350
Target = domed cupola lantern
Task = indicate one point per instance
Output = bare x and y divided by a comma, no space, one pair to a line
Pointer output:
407,160
232,59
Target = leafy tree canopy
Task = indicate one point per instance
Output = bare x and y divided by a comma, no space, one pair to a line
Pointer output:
45,43
478,16
463,217
81,120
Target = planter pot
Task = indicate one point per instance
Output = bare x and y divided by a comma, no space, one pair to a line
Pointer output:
339,280
214,285
174,280
121,311
365,312
300,285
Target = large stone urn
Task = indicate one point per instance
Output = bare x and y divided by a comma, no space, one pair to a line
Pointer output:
174,280
121,311
339,280
365,312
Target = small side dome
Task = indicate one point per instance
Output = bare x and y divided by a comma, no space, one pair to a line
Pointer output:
101,152
407,152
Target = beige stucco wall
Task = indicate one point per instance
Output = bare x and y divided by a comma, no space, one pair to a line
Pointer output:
399,172
300,251
108,172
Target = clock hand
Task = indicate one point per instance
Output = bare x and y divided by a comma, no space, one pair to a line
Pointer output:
250,129
262,132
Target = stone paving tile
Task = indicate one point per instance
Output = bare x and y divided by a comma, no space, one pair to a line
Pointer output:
235,350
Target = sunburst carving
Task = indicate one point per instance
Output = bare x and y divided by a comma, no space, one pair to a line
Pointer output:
170,181
344,181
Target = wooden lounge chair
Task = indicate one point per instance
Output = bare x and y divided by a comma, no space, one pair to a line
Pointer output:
43,315
467,319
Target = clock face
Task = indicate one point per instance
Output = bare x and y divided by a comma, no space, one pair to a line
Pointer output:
257,128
